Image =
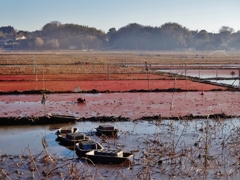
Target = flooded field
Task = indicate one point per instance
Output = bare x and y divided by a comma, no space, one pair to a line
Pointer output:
162,149
131,105
203,74
221,76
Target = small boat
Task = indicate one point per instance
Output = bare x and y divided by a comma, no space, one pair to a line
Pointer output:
81,100
70,139
107,130
65,130
107,156
85,146
59,118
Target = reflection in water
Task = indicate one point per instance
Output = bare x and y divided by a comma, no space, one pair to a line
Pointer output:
14,139
204,74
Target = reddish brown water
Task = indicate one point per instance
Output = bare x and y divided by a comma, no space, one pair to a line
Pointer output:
132,105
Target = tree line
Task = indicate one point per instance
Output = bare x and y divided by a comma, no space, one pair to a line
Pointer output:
169,36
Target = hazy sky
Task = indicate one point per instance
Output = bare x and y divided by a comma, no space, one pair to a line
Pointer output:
31,15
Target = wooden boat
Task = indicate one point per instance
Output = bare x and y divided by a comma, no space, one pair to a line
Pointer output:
70,139
105,156
58,118
65,130
107,130
85,146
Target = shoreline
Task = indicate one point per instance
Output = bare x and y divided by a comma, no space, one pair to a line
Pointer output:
44,120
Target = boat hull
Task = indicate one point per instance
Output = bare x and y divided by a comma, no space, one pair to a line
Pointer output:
62,118
66,130
69,142
100,159
113,133
80,152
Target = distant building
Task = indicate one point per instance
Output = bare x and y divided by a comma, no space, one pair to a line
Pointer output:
21,38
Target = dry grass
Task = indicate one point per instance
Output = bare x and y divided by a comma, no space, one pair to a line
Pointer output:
72,62
176,150
72,57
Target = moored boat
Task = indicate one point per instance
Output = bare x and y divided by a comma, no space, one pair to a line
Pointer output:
107,130
65,130
107,156
70,139
85,146
60,118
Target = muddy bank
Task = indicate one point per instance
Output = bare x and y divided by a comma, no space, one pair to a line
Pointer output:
30,120
6,121
230,88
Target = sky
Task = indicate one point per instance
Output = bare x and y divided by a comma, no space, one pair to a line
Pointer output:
209,15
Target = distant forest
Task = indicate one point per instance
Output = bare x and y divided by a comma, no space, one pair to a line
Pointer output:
135,37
